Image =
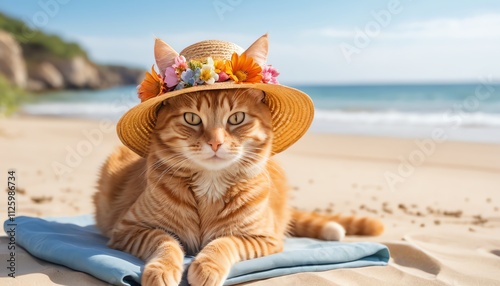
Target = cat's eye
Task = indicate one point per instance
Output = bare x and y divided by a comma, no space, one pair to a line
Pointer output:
236,118
192,118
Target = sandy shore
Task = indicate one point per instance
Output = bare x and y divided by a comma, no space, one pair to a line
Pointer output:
439,200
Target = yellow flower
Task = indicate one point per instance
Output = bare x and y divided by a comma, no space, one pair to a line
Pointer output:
243,69
220,66
151,86
207,73
193,64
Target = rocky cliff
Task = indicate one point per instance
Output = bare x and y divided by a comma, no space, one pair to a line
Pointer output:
12,65
46,62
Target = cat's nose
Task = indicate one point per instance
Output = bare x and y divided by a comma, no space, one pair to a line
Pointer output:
215,146
216,139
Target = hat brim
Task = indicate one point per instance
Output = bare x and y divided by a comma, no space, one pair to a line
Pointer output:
292,112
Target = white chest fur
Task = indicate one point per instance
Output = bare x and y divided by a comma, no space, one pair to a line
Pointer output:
211,185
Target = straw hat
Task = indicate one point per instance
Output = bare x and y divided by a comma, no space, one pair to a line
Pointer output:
292,110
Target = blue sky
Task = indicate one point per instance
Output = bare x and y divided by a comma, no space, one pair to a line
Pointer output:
341,42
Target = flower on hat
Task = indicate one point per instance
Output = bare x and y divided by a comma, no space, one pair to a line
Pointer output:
180,63
173,73
208,74
184,74
270,74
194,64
190,77
220,66
243,69
171,77
151,86
220,69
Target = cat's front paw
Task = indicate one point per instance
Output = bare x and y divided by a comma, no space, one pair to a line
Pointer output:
157,273
205,272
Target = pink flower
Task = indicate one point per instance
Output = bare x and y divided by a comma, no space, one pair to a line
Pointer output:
171,78
223,76
269,75
180,63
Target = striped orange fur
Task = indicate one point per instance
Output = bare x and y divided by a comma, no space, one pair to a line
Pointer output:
208,189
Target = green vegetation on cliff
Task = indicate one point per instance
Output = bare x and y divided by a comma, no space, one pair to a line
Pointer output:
38,45
54,63
10,97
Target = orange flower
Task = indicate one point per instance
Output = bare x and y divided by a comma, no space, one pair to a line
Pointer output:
151,86
220,66
243,69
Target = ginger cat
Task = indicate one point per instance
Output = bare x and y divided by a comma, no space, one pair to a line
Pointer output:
209,188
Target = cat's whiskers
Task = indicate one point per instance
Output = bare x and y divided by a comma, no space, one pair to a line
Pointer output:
166,171
164,161
254,168
262,157
181,165
152,168
171,165
174,161
158,163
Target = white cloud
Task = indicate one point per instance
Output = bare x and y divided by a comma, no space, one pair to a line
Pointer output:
332,32
436,50
482,26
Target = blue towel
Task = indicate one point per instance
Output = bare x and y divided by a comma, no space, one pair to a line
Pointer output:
76,243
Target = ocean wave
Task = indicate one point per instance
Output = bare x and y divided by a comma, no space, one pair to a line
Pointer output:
115,110
79,109
409,118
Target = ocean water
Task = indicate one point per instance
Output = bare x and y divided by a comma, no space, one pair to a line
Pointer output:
464,112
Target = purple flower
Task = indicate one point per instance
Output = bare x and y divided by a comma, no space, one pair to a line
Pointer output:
171,78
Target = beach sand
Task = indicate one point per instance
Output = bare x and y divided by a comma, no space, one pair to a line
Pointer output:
439,200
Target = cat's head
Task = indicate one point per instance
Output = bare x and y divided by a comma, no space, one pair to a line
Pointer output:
214,130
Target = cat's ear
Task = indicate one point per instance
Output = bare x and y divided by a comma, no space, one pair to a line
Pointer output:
258,50
164,55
